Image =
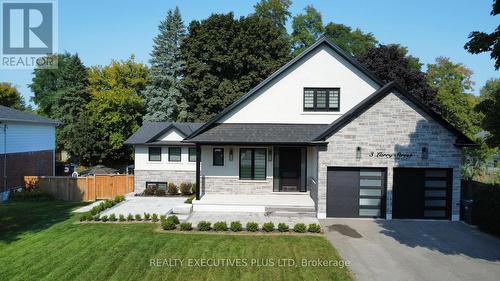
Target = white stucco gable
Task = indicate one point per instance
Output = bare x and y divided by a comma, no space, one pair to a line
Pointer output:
281,99
171,135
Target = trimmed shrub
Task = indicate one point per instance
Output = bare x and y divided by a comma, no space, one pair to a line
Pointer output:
121,218
204,226
35,194
190,200
138,217
220,226
97,217
300,228
252,226
147,216
486,209
186,188
94,211
160,192
268,226
104,218
149,191
154,218
167,224
119,198
163,217
172,189
112,217
314,228
236,226
173,218
186,226
90,217
85,216
283,227
130,217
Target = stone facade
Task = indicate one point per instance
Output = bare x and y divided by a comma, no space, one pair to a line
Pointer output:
392,125
233,185
142,176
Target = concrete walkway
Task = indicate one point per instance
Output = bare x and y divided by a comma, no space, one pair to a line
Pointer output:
140,205
88,207
415,250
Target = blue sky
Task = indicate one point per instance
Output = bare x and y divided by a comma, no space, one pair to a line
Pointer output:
114,29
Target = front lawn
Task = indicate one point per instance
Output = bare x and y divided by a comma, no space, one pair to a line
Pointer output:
41,241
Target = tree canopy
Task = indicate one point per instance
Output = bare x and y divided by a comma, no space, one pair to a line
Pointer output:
390,63
307,29
355,42
225,57
10,97
490,107
277,11
163,96
453,84
481,42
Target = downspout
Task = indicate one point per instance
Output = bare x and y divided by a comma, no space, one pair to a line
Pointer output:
4,156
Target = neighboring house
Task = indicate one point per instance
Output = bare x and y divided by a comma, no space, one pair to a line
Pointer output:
325,126
27,146
161,156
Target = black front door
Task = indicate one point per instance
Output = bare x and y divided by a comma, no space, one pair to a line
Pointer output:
290,168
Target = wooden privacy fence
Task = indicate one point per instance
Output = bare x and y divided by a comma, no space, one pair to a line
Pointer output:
89,188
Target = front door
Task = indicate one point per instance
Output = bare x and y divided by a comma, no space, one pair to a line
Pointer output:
290,169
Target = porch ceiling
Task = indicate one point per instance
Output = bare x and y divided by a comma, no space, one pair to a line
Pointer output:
233,133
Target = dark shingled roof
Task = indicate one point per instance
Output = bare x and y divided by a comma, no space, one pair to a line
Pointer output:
150,131
9,114
259,133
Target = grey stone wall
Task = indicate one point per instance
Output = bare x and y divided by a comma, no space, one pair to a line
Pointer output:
233,185
392,125
142,176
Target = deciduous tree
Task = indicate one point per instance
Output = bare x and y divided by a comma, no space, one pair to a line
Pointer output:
307,29
10,97
355,42
490,107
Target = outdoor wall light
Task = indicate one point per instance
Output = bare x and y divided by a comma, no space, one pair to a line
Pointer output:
231,154
425,152
358,152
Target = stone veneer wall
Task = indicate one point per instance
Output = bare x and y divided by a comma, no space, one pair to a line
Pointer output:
392,125
233,185
142,176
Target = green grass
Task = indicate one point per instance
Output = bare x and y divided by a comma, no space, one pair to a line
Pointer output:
41,241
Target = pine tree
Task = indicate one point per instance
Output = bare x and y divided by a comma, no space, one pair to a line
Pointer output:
163,97
72,89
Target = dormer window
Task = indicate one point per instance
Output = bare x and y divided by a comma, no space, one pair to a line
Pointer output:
321,99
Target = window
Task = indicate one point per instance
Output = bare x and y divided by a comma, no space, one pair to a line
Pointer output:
252,163
218,157
192,154
321,99
157,185
174,154
154,154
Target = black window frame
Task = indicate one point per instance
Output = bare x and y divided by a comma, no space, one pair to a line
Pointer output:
253,163
213,157
170,154
191,149
315,99
149,153
157,183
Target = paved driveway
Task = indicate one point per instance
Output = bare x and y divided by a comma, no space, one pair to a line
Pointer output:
415,250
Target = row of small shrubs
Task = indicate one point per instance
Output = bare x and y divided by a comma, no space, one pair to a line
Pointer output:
171,223
146,217
185,188
35,194
93,214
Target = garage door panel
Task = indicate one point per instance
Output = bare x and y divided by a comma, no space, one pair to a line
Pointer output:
355,192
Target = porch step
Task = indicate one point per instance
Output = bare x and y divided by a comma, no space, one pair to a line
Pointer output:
292,211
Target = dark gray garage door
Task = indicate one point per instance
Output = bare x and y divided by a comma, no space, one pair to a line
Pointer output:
355,192
421,193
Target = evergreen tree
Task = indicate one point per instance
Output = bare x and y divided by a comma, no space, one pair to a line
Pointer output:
73,96
163,95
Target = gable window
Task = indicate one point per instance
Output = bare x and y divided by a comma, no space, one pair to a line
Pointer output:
321,99
253,164
154,154
192,154
174,154
218,156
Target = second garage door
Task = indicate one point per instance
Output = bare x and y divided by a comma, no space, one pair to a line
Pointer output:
355,192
